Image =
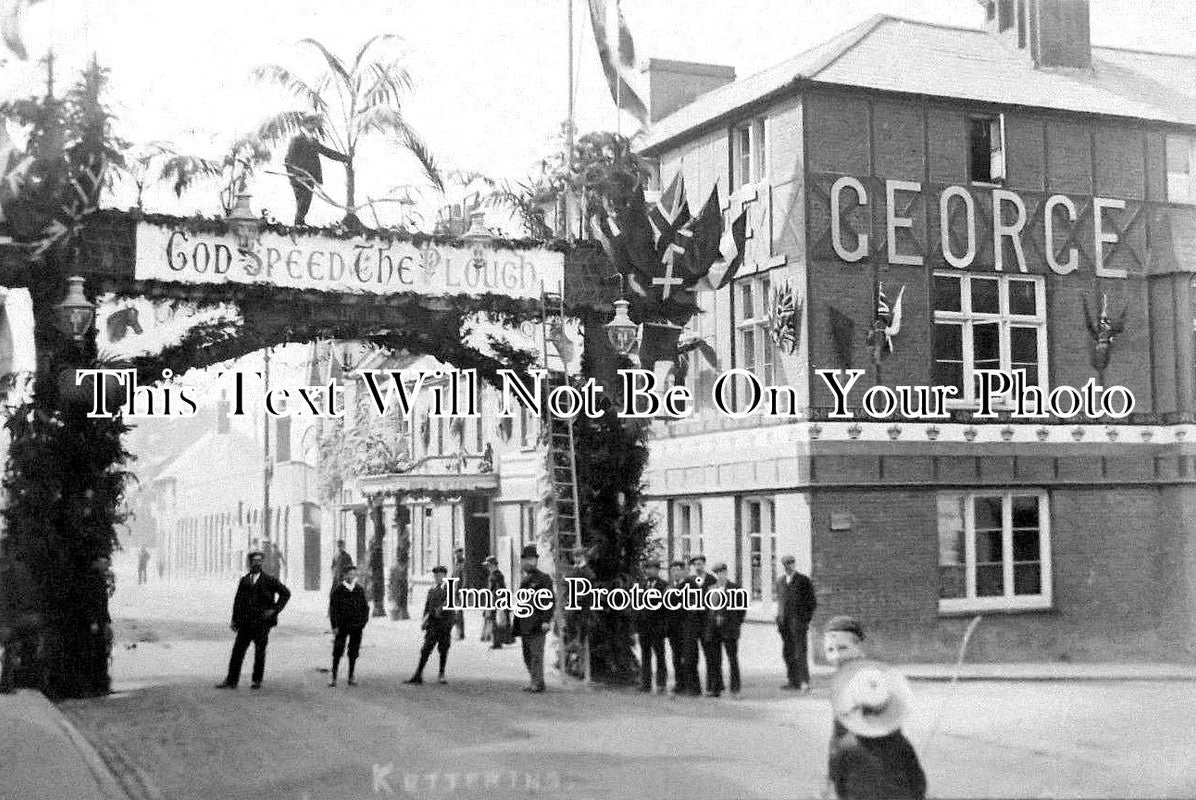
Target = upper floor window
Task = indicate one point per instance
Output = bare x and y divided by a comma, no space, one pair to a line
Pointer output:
988,322
755,351
749,146
1181,151
987,149
994,550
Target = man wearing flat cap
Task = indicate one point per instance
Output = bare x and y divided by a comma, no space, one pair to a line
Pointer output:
651,627
675,629
722,633
694,634
495,624
437,626
795,609
533,629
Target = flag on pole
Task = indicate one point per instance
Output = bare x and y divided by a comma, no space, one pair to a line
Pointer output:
10,25
616,50
731,247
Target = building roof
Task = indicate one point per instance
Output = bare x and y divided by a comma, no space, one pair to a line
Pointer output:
899,55
226,454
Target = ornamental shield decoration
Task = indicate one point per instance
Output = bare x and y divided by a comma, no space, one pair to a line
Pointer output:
784,317
1103,331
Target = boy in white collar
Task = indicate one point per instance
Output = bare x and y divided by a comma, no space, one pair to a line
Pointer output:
348,611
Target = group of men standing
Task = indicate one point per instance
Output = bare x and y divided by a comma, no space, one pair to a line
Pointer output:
261,597
711,635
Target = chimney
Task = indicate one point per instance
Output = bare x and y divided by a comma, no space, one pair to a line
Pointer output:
674,84
1051,33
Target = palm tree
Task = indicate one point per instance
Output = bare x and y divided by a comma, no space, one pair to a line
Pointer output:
348,102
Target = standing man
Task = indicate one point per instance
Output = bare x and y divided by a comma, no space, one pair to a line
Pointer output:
533,629
348,612
675,630
495,623
340,562
260,598
722,631
143,558
273,558
651,626
437,626
459,576
696,623
795,609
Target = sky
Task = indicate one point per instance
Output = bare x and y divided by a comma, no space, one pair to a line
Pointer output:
491,75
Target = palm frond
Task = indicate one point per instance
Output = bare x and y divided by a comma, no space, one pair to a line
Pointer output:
381,37
184,170
415,145
335,64
281,76
283,125
390,82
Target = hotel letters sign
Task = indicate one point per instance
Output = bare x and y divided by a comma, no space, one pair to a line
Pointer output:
975,227
351,266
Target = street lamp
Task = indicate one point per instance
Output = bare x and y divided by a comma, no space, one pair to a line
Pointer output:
75,313
621,331
242,223
479,237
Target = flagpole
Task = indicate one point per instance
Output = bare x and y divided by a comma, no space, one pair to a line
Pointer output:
567,212
618,79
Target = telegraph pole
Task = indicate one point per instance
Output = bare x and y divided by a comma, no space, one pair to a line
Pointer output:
267,467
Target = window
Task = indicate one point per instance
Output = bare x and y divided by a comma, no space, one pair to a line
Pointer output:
688,521
748,148
754,349
994,551
1181,151
1021,24
987,149
759,531
988,322
440,436
282,439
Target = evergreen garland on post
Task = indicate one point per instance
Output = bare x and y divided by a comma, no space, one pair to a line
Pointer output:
611,454
64,478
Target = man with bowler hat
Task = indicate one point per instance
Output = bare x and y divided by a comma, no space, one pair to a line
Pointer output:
651,627
533,629
795,609
260,598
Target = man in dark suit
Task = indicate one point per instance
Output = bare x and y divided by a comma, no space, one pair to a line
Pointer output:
722,630
675,631
348,612
437,626
695,634
260,598
341,561
651,627
795,609
459,576
496,624
533,629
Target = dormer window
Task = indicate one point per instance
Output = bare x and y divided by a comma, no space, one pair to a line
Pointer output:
987,149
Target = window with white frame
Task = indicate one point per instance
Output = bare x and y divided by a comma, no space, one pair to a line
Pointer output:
754,350
988,322
1181,178
699,373
687,523
987,148
994,550
759,534
749,146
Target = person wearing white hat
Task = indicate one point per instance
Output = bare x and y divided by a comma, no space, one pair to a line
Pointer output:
873,760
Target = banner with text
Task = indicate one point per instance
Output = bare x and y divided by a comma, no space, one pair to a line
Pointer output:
352,266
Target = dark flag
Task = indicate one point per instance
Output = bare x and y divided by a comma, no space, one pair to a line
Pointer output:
706,234
616,51
731,247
